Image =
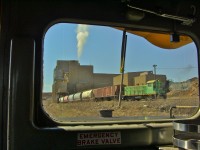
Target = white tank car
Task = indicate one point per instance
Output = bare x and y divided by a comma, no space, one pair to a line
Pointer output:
71,97
77,96
87,95
61,99
65,99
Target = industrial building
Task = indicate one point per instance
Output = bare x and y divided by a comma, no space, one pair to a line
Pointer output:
138,78
70,77
147,76
128,78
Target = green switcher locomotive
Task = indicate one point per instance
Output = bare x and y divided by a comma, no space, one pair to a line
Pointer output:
152,90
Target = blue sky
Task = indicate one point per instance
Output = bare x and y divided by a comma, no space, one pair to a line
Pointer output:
102,49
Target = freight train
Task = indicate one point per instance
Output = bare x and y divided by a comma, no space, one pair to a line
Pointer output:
151,90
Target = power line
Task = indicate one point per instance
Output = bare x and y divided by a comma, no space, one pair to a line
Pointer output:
180,68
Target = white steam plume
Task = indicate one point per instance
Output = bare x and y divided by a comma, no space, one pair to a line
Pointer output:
82,34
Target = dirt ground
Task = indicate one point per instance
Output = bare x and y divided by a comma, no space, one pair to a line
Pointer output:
158,107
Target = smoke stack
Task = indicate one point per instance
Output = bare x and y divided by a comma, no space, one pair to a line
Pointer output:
82,34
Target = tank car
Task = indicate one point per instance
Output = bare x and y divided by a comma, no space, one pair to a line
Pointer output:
61,100
71,97
87,95
77,96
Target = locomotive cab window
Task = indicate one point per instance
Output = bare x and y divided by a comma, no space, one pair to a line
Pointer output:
98,73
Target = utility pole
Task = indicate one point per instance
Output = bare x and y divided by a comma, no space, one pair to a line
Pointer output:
123,56
154,66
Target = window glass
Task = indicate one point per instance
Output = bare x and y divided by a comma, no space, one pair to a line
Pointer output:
88,77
